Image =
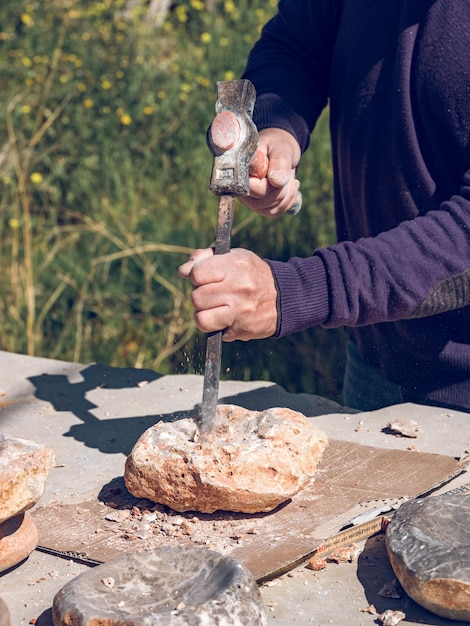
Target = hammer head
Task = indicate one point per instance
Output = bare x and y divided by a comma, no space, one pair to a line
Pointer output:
232,137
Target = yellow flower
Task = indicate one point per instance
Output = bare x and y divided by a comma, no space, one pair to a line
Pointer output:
161,95
86,36
125,119
88,103
224,42
181,13
81,87
105,84
25,109
106,110
230,7
148,110
26,19
119,74
229,75
14,223
185,87
198,5
203,81
206,37
26,61
36,178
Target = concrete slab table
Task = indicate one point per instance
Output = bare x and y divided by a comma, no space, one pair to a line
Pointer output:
91,415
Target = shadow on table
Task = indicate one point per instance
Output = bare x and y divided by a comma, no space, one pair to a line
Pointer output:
374,571
108,435
45,619
118,435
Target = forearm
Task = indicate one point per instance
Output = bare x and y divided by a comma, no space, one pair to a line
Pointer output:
419,268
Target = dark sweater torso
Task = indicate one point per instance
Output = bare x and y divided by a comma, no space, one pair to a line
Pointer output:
396,74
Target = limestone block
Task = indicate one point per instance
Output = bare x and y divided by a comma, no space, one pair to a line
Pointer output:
18,538
251,461
24,468
169,586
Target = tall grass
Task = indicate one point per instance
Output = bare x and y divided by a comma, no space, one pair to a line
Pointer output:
104,177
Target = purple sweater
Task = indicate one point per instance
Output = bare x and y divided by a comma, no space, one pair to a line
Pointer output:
396,75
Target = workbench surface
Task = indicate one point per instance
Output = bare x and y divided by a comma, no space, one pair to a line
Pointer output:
85,412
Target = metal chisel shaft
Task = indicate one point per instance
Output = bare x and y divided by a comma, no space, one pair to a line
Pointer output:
214,340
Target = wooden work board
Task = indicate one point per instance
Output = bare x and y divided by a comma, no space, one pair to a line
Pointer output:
350,480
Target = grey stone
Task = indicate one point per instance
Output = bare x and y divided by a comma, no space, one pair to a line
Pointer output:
166,586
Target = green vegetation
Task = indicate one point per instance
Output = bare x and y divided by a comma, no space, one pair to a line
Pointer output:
104,186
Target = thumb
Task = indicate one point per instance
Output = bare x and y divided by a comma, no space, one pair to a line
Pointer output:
185,269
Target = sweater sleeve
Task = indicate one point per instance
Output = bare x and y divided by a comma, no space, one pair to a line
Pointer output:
417,269
290,66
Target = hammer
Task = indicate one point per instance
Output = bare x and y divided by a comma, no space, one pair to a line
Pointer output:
232,138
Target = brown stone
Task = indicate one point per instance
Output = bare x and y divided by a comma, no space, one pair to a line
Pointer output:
24,468
18,538
4,614
250,462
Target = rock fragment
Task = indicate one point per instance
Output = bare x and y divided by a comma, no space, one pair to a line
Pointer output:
251,461
405,428
391,618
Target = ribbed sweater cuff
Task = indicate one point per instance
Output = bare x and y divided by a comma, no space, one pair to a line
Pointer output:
302,294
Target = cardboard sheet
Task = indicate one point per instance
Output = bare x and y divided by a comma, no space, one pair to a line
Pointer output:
350,480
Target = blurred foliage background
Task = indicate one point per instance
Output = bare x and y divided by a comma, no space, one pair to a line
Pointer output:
104,175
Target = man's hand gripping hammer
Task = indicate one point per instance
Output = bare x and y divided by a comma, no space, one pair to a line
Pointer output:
233,139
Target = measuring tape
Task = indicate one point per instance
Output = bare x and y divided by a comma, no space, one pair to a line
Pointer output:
363,530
